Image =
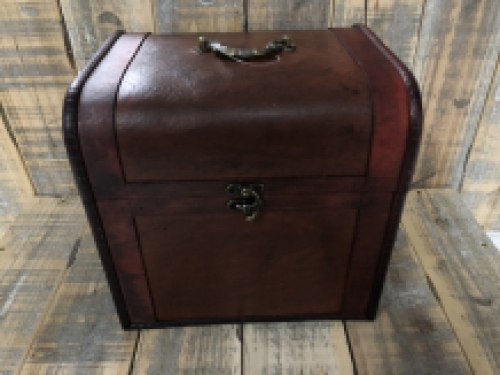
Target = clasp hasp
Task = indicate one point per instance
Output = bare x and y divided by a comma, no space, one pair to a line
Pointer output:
250,202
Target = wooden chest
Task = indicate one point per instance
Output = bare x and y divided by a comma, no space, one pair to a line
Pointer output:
225,189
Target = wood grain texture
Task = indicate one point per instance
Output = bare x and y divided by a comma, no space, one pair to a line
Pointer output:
125,250
208,350
399,124
454,63
96,133
81,333
298,142
280,266
296,348
16,190
34,73
480,188
347,12
198,15
410,334
90,22
287,15
463,267
33,263
397,23
367,254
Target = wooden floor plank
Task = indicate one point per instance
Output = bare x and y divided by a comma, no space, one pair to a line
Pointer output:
32,265
296,348
81,333
411,334
207,350
463,267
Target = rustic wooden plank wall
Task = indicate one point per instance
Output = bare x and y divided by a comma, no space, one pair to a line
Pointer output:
397,23
80,332
286,15
463,267
16,190
451,45
455,59
411,334
347,12
90,22
198,15
35,71
34,261
481,180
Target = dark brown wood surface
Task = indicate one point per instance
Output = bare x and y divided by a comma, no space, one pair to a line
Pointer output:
217,266
272,203
96,137
187,116
396,130
413,114
277,187
126,255
96,116
78,167
390,104
319,247
272,186
366,252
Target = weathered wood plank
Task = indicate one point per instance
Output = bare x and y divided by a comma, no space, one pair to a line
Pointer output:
287,15
208,350
456,55
199,15
90,22
463,267
81,333
347,12
397,23
34,73
295,348
16,190
480,188
35,258
411,334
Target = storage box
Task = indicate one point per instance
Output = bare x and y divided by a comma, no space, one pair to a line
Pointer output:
222,188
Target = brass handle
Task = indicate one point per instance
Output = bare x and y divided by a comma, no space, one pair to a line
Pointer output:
272,48
250,203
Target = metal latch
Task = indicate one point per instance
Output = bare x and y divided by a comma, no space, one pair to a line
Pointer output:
250,202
